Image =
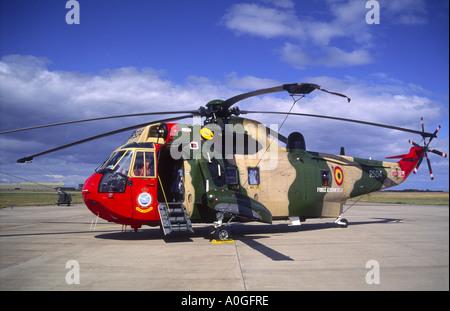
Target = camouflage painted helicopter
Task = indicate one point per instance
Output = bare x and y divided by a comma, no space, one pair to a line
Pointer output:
232,169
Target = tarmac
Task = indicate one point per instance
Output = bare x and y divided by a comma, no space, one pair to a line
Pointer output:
385,247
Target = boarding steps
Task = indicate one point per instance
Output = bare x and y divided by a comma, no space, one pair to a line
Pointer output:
174,218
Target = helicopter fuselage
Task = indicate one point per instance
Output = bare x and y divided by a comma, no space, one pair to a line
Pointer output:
173,174
240,172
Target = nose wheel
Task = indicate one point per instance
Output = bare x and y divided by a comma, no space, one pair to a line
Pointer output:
221,232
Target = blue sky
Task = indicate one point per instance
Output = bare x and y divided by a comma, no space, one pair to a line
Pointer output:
134,56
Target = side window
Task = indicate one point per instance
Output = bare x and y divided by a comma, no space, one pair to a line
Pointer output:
144,164
231,175
326,178
253,176
149,164
138,169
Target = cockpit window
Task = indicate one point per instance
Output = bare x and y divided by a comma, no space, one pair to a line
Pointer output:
124,164
119,162
144,165
111,162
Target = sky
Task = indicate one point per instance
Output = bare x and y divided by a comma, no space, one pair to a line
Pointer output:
134,56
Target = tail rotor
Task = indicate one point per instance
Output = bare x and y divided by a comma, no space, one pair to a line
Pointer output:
423,150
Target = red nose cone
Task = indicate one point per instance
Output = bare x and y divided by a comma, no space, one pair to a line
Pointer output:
108,206
123,200
92,199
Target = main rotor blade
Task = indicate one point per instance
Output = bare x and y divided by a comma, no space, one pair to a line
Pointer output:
96,119
293,89
423,134
29,158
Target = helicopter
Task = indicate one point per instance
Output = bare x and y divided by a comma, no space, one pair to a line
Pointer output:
229,168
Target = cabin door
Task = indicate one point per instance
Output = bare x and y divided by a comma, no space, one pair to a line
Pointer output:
144,186
171,188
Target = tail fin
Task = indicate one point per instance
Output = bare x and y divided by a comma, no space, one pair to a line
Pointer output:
409,162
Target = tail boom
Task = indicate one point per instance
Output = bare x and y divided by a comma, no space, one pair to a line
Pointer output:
397,173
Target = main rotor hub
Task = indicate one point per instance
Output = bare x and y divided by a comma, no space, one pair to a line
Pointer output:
215,111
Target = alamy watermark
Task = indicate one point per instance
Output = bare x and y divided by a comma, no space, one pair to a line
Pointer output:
373,15
373,275
73,275
73,15
232,142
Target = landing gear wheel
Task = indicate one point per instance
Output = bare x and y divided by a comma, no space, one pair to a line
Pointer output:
222,234
343,223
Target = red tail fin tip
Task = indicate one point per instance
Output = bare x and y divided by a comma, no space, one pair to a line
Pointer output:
409,162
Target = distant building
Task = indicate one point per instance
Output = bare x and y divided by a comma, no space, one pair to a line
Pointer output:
31,186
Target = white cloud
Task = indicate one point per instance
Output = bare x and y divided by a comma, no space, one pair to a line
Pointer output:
262,21
407,12
328,56
47,96
295,55
339,58
321,33
250,82
311,42
285,4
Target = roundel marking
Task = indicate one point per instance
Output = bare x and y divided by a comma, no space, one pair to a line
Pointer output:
145,199
338,175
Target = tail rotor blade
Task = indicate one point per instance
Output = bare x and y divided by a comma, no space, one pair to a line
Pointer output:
437,130
429,167
418,165
414,144
434,134
442,154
